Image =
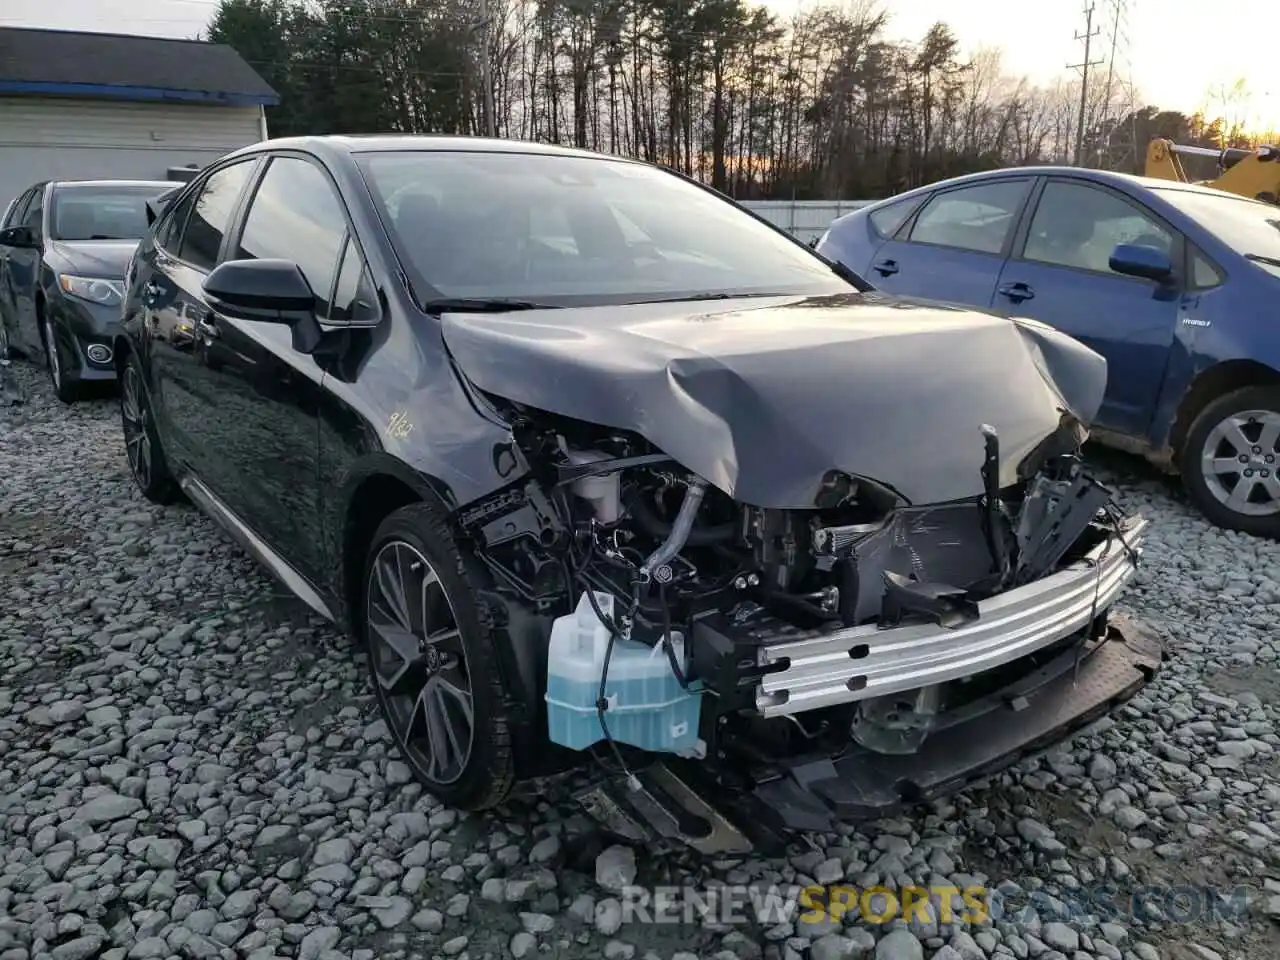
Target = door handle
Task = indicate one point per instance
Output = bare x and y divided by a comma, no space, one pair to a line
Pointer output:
886,268
207,328
1017,292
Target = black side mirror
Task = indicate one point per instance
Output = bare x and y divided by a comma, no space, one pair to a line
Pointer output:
267,291
1138,260
23,238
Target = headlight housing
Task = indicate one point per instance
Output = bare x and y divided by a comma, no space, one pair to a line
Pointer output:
100,290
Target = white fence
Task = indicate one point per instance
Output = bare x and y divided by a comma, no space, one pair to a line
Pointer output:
804,219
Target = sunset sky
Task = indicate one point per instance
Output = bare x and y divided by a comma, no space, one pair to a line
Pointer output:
1177,55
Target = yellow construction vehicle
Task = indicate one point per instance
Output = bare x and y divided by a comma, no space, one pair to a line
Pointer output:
1247,173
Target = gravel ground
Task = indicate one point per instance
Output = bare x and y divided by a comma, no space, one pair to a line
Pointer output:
190,766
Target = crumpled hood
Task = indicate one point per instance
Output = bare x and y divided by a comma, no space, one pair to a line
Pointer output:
763,397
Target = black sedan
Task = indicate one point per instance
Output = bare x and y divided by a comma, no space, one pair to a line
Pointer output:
596,464
64,249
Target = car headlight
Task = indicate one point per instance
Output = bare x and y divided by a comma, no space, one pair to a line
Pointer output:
109,293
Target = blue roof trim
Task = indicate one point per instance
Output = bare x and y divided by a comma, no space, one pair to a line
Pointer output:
105,91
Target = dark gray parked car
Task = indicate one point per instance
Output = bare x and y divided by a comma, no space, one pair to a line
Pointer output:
64,249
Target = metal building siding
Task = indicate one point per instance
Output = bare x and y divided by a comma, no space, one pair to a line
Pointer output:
53,138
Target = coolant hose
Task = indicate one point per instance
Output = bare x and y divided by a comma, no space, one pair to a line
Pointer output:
656,527
679,534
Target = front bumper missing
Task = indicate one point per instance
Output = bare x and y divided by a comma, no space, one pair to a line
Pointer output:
686,802
859,663
1022,720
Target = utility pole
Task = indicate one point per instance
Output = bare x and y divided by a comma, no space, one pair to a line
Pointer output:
486,81
1087,37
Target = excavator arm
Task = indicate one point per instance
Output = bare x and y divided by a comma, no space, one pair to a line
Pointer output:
1246,173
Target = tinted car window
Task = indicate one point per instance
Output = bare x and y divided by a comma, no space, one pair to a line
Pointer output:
353,296
889,218
1079,226
84,212
15,213
212,214
577,230
975,218
169,232
34,215
296,215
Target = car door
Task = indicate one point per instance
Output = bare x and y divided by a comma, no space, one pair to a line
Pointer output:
1060,275
187,245
22,269
8,306
264,418
953,247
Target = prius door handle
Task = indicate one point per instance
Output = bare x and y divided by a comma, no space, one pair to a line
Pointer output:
1017,292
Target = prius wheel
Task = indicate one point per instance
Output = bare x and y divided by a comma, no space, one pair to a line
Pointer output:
433,662
67,390
1230,460
141,443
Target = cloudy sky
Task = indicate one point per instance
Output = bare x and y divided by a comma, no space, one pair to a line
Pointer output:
1178,56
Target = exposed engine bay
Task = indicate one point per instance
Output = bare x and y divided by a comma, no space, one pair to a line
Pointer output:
723,593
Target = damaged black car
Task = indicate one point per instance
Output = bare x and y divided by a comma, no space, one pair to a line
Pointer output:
610,477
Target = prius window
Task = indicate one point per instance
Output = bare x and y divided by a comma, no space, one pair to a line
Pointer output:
976,218
1079,226
296,215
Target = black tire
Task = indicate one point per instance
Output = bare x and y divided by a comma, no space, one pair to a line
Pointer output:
65,389
1206,490
414,534
141,438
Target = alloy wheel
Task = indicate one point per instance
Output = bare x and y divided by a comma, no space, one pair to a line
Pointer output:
419,662
134,419
51,352
1239,461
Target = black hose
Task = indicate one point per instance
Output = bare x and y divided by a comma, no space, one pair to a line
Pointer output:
667,643
602,702
658,528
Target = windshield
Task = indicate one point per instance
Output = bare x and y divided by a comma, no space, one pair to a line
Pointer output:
560,230
115,212
1247,226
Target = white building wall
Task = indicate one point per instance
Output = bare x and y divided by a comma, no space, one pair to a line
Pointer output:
48,138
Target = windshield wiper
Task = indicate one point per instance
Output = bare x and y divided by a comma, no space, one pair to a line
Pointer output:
1263,258
482,305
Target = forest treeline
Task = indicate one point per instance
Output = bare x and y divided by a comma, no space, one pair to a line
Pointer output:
823,105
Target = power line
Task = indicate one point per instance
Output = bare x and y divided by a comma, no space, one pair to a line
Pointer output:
1083,67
